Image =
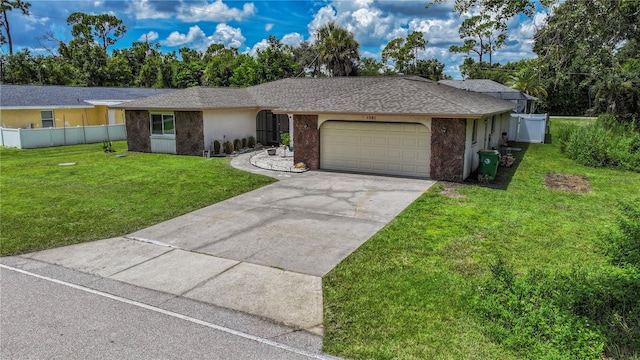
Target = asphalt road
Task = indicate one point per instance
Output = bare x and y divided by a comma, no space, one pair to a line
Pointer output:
43,317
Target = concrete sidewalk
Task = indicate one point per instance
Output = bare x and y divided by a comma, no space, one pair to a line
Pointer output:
263,253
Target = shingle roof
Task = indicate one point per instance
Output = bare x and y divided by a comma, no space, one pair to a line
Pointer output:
489,87
195,98
39,96
367,95
403,95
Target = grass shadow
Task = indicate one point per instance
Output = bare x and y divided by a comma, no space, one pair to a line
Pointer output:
504,174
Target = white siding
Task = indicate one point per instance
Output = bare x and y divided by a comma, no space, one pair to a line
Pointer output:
228,125
163,145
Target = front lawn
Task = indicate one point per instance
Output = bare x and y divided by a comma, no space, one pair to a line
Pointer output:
45,205
411,291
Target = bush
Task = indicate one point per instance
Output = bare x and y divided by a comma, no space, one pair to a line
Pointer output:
285,139
244,143
598,146
228,147
216,147
237,144
251,142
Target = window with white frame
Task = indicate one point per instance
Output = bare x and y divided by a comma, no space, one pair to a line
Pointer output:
47,119
163,124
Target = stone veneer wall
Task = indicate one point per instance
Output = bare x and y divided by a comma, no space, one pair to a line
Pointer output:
447,149
306,140
138,130
189,132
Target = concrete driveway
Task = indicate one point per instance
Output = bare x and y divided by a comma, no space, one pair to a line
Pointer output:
262,253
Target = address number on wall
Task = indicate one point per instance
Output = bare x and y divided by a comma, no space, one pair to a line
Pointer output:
369,117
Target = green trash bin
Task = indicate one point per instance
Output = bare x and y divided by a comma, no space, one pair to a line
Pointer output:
489,160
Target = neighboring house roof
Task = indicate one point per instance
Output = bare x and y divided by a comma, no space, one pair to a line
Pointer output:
489,87
358,95
51,96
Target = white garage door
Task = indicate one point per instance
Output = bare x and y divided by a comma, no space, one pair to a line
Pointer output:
382,148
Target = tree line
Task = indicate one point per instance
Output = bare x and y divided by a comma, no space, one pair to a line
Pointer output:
587,55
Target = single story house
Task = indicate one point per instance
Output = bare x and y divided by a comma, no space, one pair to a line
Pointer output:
526,103
47,106
405,126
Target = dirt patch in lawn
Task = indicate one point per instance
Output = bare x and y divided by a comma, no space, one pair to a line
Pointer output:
449,189
567,182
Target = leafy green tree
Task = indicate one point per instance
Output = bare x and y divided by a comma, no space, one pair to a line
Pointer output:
588,49
220,65
105,28
482,34
118,72
245,74
274,62
5,7
338,50
431,69
370,67
404,52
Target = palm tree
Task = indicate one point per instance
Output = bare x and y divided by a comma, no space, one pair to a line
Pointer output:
338,49
527,81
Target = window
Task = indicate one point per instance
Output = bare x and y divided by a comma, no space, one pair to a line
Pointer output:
474,133
163,124
47,118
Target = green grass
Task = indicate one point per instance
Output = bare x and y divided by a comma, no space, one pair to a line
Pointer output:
408,293
44,205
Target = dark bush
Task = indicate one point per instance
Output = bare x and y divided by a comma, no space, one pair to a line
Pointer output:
216,147
228,147
244,143
237,144
251,142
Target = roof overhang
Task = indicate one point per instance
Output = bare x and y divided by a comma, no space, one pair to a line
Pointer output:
431,115
106,102
46,107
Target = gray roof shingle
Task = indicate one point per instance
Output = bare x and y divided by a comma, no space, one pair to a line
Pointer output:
488,87
361,95
39,96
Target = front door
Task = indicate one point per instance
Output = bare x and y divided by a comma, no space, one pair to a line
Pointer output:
269,126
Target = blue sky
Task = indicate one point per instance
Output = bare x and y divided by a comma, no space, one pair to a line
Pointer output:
246,24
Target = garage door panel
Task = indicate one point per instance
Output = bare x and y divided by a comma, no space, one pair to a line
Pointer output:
385,148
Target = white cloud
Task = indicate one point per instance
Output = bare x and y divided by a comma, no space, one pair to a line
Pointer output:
293,39
177,39
227,35
268,26
261,45
216,12
324,15
150,36
142,9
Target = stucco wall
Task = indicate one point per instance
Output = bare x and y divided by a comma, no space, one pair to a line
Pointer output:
138,130
228,125
448,137
307,146
189,137
21,119
63,117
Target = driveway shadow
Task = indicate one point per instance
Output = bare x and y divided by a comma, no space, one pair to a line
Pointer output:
504,174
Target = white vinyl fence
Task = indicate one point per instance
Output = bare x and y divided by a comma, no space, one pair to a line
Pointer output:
37,138
529,128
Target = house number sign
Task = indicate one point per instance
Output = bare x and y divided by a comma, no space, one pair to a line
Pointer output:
369,117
